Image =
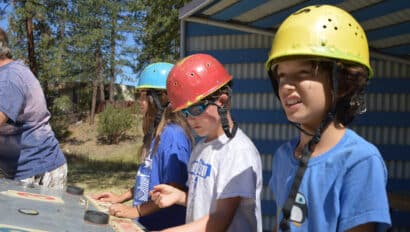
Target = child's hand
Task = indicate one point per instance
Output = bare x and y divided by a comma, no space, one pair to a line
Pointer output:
107,197
124,211
164,195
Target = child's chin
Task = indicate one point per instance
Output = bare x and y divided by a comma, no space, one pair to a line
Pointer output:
200,133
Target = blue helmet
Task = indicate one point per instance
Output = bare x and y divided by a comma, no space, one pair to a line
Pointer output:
154,76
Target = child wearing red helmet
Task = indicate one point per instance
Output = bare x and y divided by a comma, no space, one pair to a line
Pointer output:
224,171
328,178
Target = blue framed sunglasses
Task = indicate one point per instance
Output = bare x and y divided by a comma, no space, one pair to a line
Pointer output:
197,109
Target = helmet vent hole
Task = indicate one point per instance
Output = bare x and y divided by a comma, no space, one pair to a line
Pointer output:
335,28
324,26
330,20
208,65
355,33
350,24
192,74
323,44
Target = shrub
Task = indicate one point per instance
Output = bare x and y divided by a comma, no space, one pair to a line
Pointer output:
62,105
61,109
113,124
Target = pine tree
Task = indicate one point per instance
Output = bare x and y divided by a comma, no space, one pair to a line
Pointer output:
159,36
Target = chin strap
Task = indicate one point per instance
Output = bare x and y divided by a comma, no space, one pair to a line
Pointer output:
307,152
297,125
223,112
303,163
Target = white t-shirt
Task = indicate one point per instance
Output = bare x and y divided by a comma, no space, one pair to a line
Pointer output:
225,168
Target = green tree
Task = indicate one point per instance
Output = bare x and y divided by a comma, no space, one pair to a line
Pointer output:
38,40
86,43
97,43
28,15
122,24
86,40
159,35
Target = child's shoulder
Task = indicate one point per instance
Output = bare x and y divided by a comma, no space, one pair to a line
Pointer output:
356,141
356,148
241,140
242,146
172,130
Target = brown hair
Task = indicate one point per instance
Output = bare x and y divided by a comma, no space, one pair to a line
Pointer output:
225,89
350,102
167,117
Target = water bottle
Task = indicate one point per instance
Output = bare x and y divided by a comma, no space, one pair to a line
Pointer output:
142,181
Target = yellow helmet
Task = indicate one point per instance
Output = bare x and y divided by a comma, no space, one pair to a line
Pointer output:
321,31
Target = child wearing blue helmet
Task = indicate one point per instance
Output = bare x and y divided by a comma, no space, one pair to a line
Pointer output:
165,152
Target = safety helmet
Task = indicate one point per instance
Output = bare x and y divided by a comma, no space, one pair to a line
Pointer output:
321,31
154,76
193,79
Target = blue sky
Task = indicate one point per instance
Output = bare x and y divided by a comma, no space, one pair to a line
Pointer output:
3,22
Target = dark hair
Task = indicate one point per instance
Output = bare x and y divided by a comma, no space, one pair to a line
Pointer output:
5,51
351,79
225,89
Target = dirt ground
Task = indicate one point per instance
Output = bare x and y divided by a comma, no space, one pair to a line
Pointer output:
99,167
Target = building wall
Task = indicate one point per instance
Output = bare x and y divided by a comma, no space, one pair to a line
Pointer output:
257,110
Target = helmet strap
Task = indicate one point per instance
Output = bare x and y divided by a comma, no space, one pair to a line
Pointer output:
158,115
297,125
223,112
303,163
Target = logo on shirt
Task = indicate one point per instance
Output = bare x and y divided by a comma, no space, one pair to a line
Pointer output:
200,169
198,172
298,213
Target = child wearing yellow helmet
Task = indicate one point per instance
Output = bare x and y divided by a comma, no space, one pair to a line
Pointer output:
328,178
224,171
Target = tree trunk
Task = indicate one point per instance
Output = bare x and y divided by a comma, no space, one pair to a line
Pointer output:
112,59
93,101
97,81
30,47
102,93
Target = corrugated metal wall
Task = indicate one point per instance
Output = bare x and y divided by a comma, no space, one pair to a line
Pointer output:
258,112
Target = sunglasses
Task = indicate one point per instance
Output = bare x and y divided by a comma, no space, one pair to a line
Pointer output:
197,109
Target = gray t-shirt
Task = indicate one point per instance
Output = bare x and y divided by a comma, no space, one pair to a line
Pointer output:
225,168
28,146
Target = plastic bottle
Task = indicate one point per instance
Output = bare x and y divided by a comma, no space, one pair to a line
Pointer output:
142,181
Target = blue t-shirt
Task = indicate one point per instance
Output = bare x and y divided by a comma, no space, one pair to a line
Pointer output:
341,189
168,164
28,146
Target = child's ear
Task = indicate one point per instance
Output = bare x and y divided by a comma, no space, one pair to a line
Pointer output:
223,99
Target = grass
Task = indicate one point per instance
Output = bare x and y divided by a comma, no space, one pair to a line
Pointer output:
99,167
100,175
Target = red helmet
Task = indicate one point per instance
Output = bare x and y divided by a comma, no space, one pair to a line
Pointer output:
194,78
